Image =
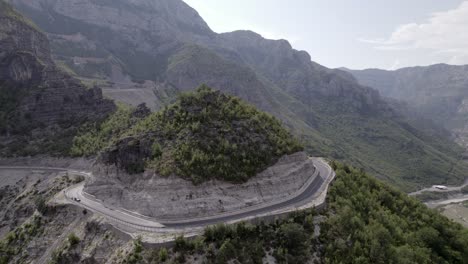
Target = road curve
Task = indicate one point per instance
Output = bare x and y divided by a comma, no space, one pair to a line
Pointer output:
308,193
434,189
323,173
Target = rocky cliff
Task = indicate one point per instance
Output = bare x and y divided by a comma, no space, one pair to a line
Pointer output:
41,106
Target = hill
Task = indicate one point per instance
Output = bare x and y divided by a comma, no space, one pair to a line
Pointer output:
204,135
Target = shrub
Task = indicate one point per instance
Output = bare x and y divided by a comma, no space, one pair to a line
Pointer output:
73,240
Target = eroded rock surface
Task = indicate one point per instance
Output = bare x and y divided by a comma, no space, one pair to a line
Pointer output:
174,198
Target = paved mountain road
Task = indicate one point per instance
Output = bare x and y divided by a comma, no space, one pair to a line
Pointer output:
315,187
434,189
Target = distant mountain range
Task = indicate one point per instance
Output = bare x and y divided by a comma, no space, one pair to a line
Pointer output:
437,92
149,51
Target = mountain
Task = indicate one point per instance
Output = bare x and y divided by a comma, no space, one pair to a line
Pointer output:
363,220
41,107
149,51
437,92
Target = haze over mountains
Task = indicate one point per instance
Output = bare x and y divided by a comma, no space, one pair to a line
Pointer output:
148,51
438,92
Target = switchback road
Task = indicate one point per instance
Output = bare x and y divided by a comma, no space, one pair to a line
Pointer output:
313,189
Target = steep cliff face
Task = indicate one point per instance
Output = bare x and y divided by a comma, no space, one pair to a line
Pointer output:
40,105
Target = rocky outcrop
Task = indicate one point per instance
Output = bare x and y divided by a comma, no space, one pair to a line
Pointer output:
174,198
39,102
129,154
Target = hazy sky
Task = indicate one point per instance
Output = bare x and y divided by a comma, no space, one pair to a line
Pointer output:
356,34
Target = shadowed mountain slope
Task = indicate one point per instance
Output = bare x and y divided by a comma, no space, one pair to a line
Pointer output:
40,106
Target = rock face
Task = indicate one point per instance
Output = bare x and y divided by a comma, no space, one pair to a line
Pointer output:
122,45
39,102
174,198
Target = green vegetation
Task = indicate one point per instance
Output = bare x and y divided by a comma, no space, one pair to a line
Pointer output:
391,150
95,137
16,241
135,256
369,222
365,221
62,254
206,135
73,240
288,241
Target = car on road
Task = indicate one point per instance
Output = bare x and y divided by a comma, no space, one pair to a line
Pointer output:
77,199
440,187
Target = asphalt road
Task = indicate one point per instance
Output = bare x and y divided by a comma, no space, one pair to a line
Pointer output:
324,171
433,189
309,193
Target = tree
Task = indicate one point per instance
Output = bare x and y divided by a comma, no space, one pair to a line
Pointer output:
41,205
226,252
163,255
73,240
293,237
